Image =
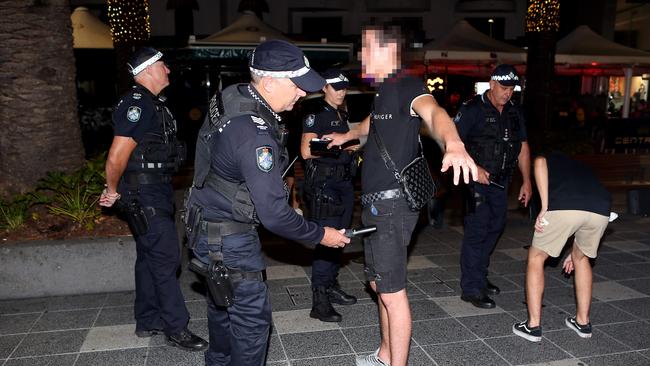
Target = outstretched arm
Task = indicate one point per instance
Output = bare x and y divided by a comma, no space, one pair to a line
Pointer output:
442,129
357,132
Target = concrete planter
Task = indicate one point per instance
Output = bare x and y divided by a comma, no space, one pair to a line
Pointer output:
66,267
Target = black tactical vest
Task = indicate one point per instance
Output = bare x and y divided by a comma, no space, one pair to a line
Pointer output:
159,152
223,108
497,143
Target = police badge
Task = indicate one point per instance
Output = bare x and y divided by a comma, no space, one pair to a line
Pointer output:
309,120
133,113
264,158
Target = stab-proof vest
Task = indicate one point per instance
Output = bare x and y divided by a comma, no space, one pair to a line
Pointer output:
224,107
159,152
496,144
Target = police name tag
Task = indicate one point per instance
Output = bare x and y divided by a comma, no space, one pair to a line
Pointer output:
264,156
133,113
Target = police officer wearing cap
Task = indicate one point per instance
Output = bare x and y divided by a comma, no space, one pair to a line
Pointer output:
240,161
142,158
329,193
494,132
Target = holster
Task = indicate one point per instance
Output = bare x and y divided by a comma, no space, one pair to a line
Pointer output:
134,214
220,279
472,199
191,216
321,206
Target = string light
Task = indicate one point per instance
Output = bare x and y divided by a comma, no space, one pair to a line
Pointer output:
543,16
129,20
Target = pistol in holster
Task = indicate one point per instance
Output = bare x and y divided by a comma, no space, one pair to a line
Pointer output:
473,199
217,277
323,206
134,214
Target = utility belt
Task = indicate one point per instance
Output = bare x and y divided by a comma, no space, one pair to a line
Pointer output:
369,198
146,178
336,171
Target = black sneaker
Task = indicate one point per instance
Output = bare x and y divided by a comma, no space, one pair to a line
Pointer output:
524,331
583,331
187,340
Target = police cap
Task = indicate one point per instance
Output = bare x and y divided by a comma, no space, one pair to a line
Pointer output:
281,59
506,75
142,58
336,79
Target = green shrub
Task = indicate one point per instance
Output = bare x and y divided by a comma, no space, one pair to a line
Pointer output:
75,195
14,212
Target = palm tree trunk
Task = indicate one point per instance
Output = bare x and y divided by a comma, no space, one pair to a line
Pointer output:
38,98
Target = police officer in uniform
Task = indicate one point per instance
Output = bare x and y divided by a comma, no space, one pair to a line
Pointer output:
142,158
329,194
494,132
240,161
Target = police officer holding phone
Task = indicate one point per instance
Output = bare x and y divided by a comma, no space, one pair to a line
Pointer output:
329,193
240,160
142,158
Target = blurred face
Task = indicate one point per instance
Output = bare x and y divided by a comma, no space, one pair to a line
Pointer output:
377,61
499,94
285,94
334,97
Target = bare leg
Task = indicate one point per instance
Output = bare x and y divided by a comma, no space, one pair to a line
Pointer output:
384,346
399,326
535,285
583,282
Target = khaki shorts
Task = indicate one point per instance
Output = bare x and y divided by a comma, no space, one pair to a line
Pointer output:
588,228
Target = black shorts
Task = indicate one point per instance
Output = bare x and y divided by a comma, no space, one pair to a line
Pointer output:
386,249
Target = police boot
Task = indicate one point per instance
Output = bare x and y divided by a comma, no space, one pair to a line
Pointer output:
321,308
336,295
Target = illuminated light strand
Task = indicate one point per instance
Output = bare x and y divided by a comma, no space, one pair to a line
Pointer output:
543,16
129,20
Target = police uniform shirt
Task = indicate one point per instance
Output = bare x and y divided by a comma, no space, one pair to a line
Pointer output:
398,126
135,114
245,150
574,186
328,120
469,118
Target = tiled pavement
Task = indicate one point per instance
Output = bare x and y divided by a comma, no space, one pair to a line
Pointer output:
98,329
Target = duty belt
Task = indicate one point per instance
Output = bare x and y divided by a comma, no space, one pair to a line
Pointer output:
217,230
146,178
369,198
236,275
333,170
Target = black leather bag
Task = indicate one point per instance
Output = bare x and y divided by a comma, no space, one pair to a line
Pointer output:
417,183
415,179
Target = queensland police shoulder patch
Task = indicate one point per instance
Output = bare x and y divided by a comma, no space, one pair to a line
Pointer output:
309,120
264,155
133,113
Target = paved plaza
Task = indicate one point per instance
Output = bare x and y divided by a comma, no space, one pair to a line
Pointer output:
98,329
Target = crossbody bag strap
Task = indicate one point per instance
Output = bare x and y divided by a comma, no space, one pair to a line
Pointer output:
390,164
